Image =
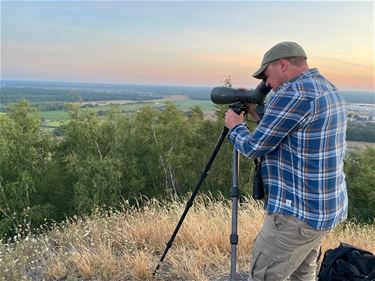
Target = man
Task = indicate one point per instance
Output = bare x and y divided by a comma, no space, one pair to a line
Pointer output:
301,144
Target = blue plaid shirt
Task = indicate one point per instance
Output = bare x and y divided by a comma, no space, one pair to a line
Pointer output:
301,142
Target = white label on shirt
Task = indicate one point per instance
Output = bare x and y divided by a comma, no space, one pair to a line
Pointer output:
288,203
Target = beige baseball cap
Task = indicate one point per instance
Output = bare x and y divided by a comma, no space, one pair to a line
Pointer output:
279,51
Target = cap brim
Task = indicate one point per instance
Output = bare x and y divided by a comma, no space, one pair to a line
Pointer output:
259,74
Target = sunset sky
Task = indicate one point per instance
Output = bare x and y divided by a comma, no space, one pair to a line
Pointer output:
182,43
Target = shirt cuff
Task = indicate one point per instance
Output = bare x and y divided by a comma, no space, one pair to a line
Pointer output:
233,133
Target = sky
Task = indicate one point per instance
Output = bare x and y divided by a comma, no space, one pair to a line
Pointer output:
182,43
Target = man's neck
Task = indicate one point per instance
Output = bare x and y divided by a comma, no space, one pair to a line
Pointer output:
295,71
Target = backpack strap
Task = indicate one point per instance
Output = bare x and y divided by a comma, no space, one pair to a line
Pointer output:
371,276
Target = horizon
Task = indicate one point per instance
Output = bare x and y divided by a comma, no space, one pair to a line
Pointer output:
182,44
149,85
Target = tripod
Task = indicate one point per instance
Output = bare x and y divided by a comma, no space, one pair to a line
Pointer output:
234,196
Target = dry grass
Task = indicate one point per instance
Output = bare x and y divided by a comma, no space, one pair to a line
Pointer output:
127,245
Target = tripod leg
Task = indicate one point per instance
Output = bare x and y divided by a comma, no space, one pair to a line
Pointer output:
234,195
194,194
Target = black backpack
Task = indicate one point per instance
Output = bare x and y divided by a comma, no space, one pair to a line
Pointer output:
347,263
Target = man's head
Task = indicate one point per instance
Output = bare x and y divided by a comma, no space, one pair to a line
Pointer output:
281,63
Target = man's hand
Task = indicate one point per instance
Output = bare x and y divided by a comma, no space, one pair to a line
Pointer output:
252,112
232,119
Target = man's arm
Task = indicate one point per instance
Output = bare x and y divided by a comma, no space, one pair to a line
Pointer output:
284,113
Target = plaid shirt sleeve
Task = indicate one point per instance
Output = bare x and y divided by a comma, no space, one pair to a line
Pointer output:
286,111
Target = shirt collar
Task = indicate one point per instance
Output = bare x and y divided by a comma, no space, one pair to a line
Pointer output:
309,72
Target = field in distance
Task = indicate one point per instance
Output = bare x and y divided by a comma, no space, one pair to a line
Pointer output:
49,98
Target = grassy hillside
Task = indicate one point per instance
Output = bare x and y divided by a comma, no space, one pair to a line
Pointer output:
127,245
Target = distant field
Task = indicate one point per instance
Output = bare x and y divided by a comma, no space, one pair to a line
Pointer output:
119,102
54,118
188,104
49,97
42,91
56,115
37,92
183,104
359,145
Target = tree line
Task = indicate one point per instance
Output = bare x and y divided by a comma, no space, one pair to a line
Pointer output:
361,131
104,161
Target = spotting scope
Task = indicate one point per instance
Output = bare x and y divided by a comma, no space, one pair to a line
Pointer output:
226,95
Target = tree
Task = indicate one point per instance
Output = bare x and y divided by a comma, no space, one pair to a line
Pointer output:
99,159
25,156
360,178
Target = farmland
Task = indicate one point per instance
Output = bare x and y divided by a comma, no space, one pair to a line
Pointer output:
50,98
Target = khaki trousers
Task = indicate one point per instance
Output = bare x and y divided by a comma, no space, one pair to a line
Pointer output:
286,248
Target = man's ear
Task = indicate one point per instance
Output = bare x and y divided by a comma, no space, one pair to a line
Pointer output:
284,64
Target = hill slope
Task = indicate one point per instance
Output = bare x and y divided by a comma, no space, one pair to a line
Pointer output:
127,245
